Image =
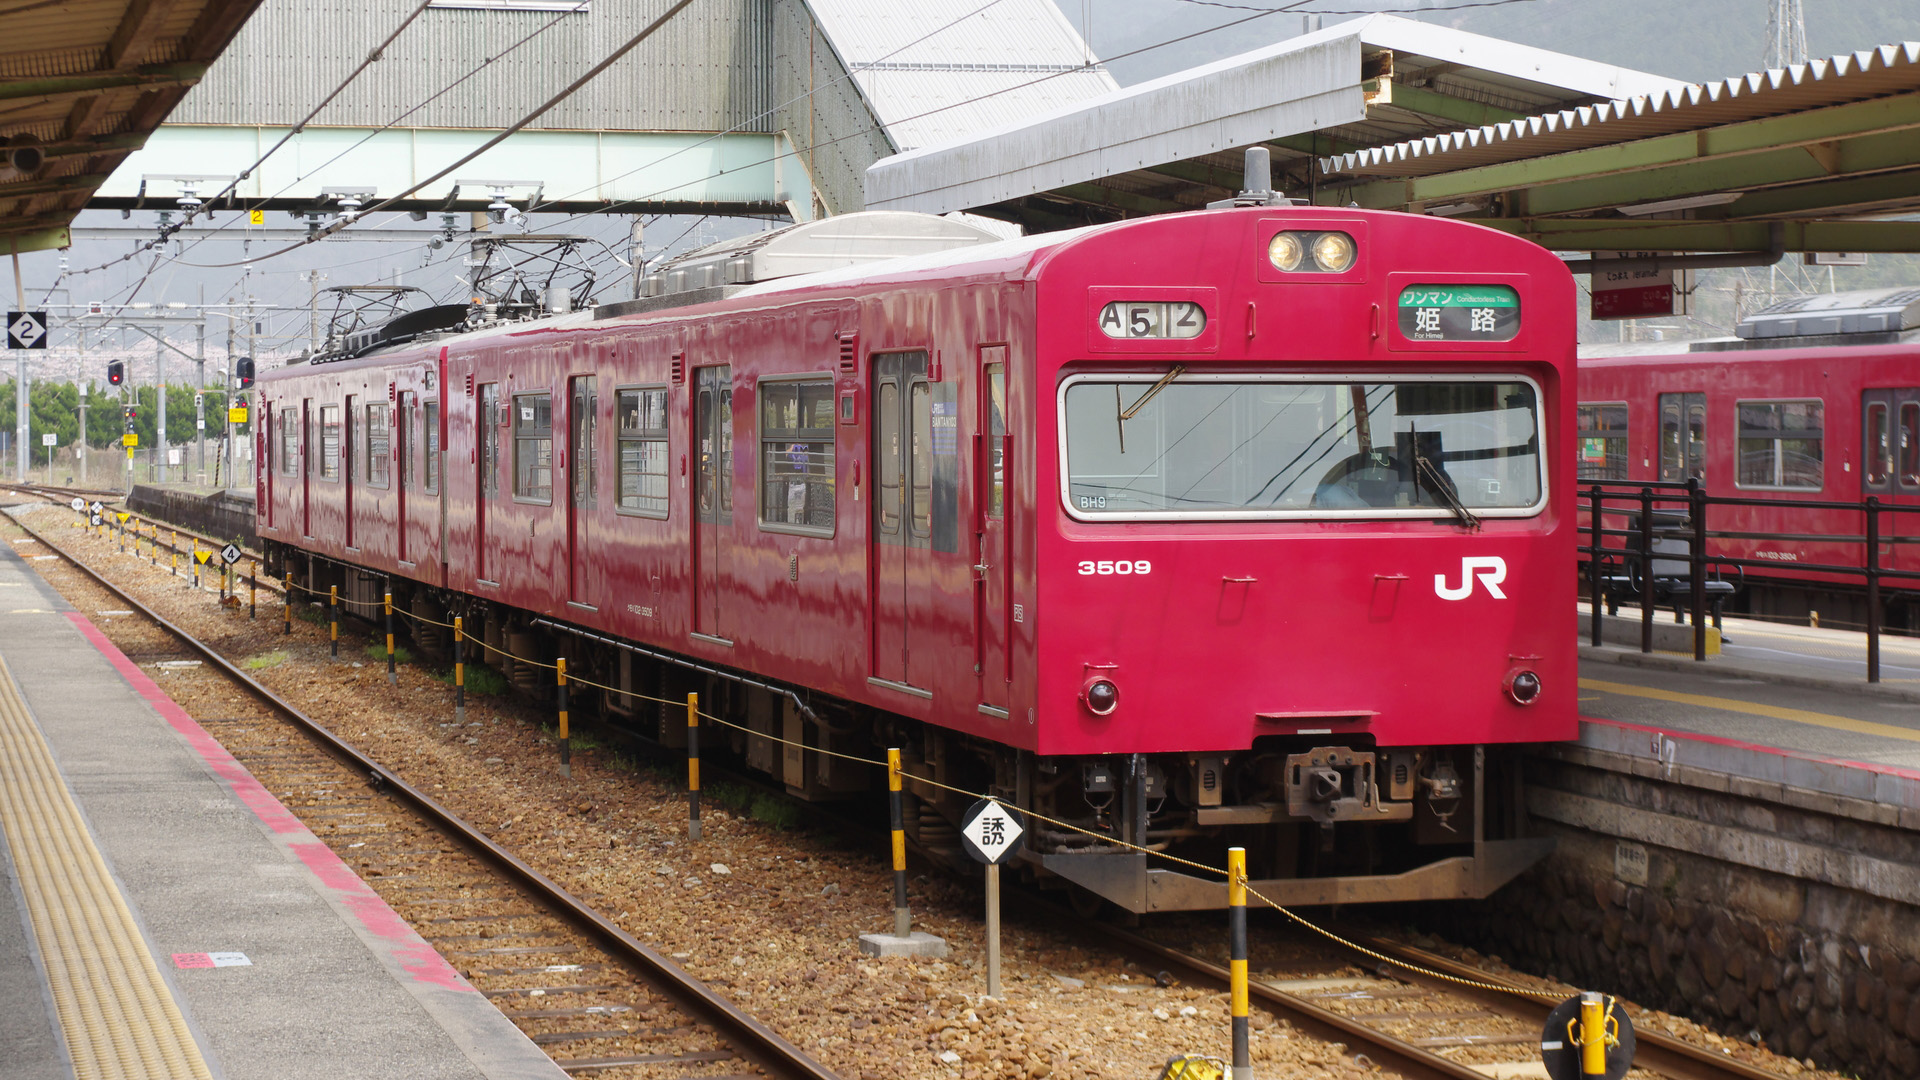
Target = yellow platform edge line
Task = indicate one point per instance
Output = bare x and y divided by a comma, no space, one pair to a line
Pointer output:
1797,716
113,1005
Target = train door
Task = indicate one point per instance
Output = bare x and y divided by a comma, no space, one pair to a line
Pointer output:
405,447
1683,437
1890,456
309,461
993,541
583,402
486,430
903,503
349,460
713,516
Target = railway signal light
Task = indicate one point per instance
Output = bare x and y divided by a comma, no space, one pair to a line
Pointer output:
116,372
130,413
243,372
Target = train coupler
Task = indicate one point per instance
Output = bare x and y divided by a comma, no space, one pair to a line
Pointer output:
1336,783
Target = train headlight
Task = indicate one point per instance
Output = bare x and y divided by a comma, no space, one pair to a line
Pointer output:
1333,252
1285,251
1523,687
1101,696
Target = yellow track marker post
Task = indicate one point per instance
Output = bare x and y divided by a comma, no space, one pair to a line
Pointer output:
902,918
173,552
333,618
566,746
253,589
1237,959
459,670
391,677
286,605
693,766
196,562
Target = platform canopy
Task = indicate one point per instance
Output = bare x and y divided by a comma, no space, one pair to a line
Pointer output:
1176,143
1821,156
83,83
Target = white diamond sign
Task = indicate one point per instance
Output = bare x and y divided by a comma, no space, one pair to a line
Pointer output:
26,329
230,554
992,832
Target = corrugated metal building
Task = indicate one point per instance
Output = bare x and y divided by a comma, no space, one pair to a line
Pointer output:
847,81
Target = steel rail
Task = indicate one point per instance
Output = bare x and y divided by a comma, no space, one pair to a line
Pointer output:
754,1041
1653,1050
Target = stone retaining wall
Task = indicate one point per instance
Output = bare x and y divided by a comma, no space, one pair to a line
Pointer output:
1788,918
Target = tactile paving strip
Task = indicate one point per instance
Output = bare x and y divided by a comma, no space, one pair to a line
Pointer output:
119,1019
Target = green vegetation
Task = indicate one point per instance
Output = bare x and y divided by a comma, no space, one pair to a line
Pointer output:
482,679
775,811
400,653
265,660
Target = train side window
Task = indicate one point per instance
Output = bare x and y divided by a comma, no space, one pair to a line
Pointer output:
488,423
642,468
1603,440
407,417
887,476
533,447
1879,445
329,442
289,442
1781,445
997,444
1909,443
586,402
430,425
920,462
379,445
797,455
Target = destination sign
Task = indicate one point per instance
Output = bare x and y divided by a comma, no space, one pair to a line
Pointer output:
1459,313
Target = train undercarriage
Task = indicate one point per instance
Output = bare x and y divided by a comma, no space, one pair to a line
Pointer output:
1322,821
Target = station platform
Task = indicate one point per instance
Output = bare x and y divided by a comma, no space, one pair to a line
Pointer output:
165,916
1798,691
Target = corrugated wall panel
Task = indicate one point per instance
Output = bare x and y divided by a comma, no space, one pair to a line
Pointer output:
706,70
834,132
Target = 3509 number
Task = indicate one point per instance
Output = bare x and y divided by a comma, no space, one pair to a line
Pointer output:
1122,567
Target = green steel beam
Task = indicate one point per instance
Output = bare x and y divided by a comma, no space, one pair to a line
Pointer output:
1424,102
1847,195
41,239
1616,234
152,75
1901,113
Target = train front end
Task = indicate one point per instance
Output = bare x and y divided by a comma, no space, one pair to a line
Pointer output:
1305,553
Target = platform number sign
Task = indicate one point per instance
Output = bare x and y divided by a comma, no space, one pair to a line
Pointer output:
993,832
229,554
26,329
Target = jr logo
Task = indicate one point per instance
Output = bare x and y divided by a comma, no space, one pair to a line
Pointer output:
1491,570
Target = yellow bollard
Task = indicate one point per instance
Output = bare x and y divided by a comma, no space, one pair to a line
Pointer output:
1593,1033
333,618
286,606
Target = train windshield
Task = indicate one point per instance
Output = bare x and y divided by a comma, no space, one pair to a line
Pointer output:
1178,445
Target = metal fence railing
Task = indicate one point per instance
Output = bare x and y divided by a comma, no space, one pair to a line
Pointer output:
1661,557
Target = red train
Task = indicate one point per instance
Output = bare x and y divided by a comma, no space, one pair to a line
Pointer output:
1234,527
1791,412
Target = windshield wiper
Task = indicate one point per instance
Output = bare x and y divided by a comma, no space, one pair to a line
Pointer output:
1442,487
1121,416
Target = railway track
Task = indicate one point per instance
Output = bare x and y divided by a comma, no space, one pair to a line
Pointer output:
599,1001
1495,1026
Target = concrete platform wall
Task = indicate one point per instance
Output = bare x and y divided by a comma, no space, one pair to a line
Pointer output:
225,515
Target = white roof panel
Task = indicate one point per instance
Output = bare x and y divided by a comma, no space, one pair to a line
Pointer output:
1305,84
932,75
